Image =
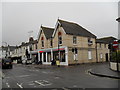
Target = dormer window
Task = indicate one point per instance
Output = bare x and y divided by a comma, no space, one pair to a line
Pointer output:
90,42
74,40
59,38
42,41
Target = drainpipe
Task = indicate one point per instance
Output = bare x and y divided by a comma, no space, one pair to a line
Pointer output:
96,53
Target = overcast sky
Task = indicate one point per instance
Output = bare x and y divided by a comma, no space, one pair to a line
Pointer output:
20,18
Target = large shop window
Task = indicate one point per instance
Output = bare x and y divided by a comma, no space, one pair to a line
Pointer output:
49,57
44,58
89,55
62,55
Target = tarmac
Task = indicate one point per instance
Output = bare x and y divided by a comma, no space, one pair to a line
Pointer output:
104,71
99,70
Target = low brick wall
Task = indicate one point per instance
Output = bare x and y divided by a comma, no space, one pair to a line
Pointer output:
113,66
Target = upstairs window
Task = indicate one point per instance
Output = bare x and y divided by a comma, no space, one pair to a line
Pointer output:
90,42
100,45
59,38
101,55
51,43
74,40
36,46
105,45
31,47
42,41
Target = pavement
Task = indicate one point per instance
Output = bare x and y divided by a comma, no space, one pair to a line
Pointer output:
104,71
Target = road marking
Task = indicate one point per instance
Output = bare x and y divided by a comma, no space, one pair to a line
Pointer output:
39,83
44,72
20,85
47,82
65,88
7,85
34,70
23,76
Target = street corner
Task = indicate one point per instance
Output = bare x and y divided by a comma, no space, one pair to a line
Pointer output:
104,73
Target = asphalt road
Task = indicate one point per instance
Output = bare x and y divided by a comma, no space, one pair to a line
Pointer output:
22,76
0,79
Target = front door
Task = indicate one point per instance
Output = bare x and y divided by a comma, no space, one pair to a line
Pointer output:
106,56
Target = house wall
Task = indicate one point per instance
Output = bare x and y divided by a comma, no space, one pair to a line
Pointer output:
102,50
45,42
82,56
82,46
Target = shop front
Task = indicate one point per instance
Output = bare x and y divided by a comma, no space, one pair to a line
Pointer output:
46,56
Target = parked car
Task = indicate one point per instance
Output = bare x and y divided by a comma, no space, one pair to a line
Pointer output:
7,63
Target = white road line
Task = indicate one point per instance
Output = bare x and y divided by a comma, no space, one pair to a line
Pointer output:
19,85
65,88
7,85
39,83
47,82
23,76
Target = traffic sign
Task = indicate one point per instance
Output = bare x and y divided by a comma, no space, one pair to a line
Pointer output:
115,44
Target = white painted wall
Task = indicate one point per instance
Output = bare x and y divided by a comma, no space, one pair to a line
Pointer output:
113,66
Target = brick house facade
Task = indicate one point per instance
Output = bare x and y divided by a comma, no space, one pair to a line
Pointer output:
72,43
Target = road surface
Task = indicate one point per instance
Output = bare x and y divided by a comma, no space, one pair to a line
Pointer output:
23,76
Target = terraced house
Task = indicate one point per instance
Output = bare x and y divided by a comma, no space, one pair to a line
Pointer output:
20,51
69,42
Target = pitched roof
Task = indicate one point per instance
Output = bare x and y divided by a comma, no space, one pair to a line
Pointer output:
108,39
75,29
47,31
11,48
28,43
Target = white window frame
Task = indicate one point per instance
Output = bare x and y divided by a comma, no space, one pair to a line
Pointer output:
89,55
75,40
101,56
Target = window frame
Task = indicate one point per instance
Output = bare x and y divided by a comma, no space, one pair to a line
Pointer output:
74,40
42,42
60,38
89,54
